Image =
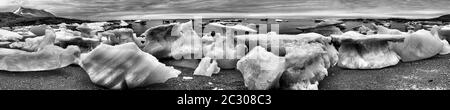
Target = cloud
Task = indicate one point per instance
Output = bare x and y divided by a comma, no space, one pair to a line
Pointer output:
119,9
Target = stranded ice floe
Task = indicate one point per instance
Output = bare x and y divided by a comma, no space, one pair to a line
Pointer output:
66,37
222,47
174,40
207,67
224,50
325,27
124,66
359,51
261,69
277,43
6,35
307,64
384,30
44,56
307,60
177,40
39,30
418,45
446,48
444,34
49,58
34,44
118,36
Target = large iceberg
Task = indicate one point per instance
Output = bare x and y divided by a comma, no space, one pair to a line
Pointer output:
418,45
43,56
176,40
307,64
359,51
124,66
261,69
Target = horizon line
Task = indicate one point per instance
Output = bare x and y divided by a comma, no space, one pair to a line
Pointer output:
308,15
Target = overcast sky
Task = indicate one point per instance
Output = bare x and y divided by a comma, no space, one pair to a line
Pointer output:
144,9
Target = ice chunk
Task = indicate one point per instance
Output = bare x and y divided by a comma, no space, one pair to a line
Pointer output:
418,45
48,58
118,36
307,64
261,69
384,30
207,67
9,36
446,48
359,51
276,43
124,66
176,40
39,30
34,44
225,51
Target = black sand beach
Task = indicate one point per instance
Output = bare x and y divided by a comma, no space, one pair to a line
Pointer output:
429,74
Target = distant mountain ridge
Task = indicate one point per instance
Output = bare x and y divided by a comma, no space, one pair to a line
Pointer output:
27,16
445,18
29,12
